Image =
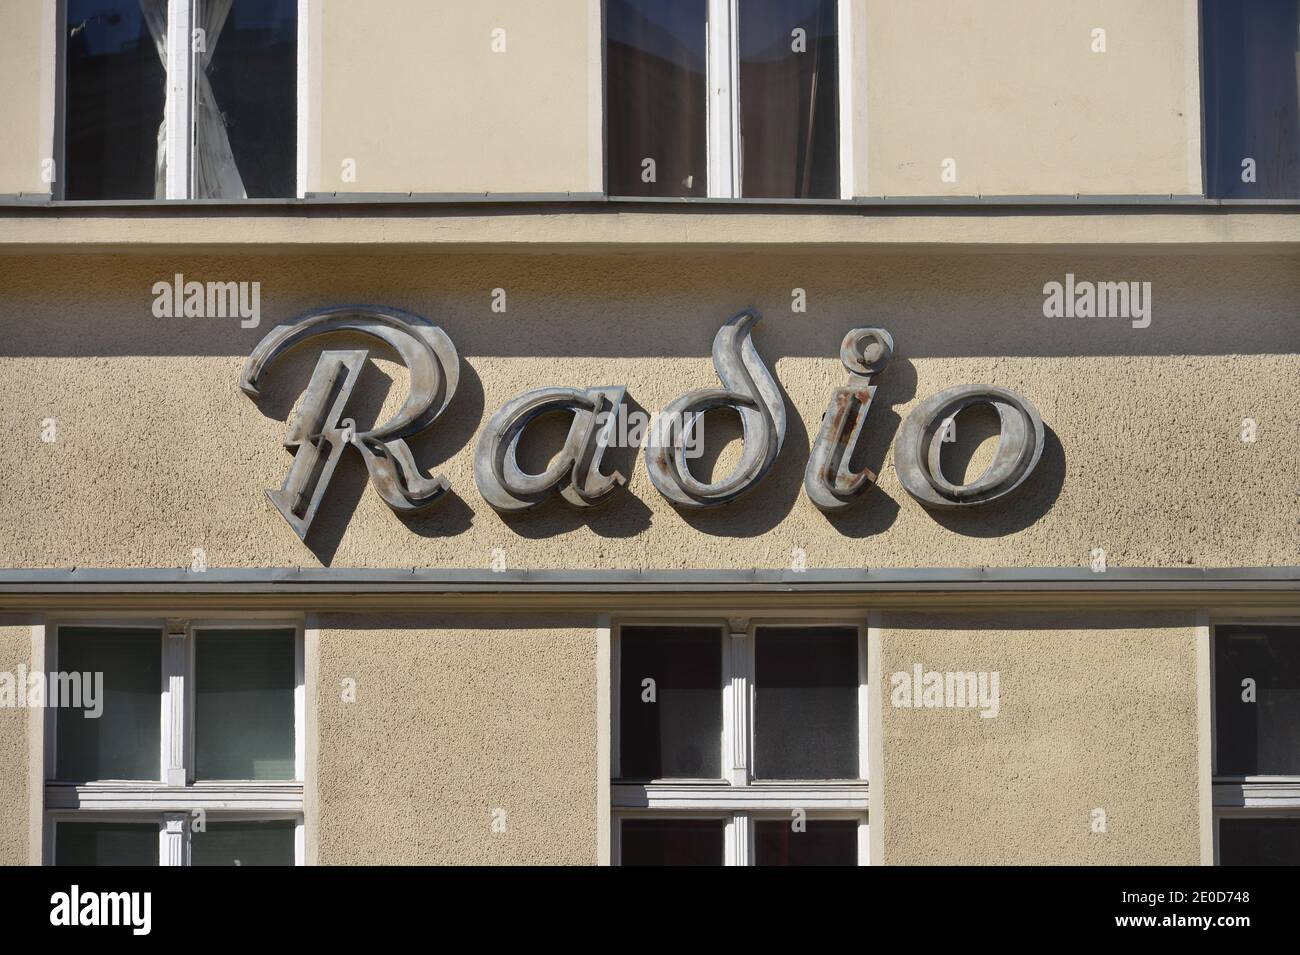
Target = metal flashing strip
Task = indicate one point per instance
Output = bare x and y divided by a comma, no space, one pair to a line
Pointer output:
546,201
1241,592
852,580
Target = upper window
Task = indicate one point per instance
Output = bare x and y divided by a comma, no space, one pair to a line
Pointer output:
739,745
180,745
724,99
1257,744
230,130
1252,98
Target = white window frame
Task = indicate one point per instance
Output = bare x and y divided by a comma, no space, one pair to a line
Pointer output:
724,140
173,798
1251,796
180,101
738,797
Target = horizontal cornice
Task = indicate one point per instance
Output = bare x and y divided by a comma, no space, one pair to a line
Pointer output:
1247,589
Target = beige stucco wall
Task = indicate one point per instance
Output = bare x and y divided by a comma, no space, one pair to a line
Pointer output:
27,103
15,650
455,718
158,452
1095,713
1011,90
415,95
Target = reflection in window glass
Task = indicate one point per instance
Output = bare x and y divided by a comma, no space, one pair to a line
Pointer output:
1256,723
246,100
115,94
806,703
106,843
670,703
1252,98
789,99
122,742
656,92
243,704
1259,842
673,841
243,843
820,842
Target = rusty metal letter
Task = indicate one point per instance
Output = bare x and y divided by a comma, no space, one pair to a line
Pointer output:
830,483
920,441
319,432
574,474
748,388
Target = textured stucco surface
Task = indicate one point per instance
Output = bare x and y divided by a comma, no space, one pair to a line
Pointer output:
1096,712
1013,92
414,94
158,452
24,142
15,649
455,718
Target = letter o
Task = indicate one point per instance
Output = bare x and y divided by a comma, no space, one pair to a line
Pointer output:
920,441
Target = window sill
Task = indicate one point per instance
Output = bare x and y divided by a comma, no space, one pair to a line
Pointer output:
850,795
499,224
236,796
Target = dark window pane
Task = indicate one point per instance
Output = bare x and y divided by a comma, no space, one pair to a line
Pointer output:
1252,83
806,703
243,843
106,843
1260,737
1259,842
673,841
115,93
243,704
656,96
678,733
823,842
246,103
125,740
789,99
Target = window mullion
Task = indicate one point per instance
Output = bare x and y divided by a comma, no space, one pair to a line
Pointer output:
176,652
174,836
180,99
739,840
737,723
724,99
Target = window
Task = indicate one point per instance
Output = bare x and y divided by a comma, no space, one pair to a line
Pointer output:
1252,98
180,99
739,744
726,99
1257,744
184,747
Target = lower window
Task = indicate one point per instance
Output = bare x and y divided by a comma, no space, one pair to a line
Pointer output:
1256,689
174,742
739,744
177,839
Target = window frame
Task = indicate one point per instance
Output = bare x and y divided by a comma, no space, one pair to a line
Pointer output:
1248,796
173,798
738,797
180,109
723,174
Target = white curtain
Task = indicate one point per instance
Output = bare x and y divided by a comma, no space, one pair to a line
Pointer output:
215,173
155,18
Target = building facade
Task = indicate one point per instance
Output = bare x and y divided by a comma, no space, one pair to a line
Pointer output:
725,431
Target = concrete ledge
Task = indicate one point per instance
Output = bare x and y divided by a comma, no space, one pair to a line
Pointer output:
1246,590
545,225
